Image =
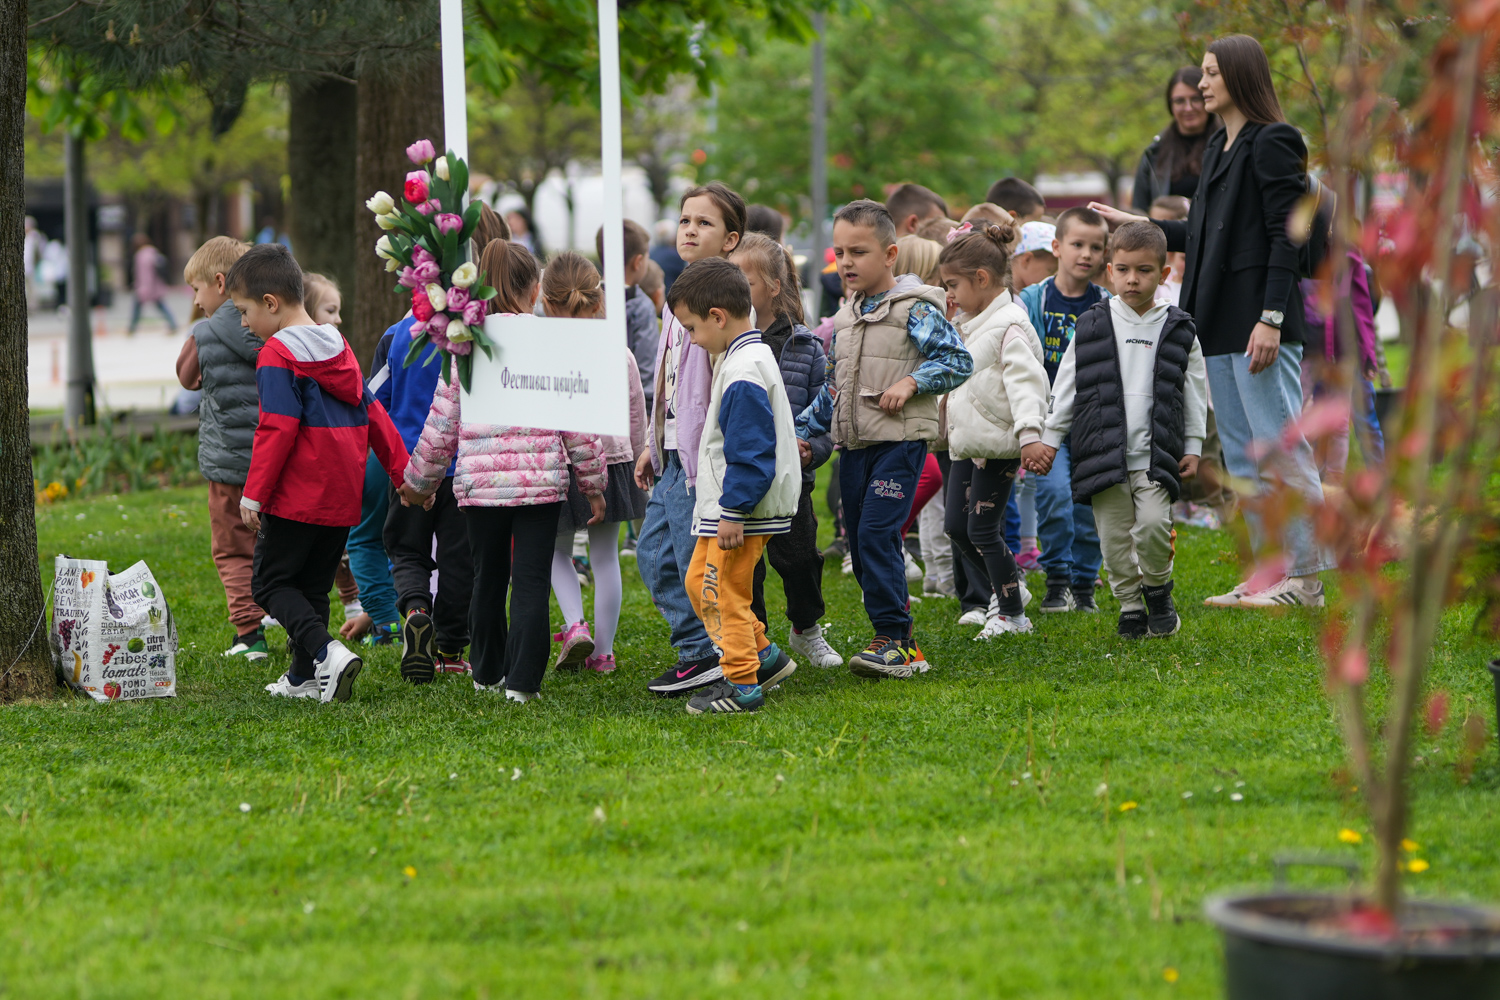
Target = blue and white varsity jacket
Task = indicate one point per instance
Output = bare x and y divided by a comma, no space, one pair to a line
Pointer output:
748,467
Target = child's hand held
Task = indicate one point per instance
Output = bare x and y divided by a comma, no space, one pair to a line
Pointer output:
804,451
596,504
250,517
643,471
1188,466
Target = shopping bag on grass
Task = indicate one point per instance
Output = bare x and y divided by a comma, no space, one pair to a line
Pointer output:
113,635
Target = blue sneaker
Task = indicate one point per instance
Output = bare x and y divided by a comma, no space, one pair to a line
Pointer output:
382,635
726,697
775,667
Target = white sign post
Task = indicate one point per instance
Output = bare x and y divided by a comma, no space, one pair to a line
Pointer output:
558,374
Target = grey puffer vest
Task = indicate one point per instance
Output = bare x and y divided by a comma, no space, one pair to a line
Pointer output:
231,407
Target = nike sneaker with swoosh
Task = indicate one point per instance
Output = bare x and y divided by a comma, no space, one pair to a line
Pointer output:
690,676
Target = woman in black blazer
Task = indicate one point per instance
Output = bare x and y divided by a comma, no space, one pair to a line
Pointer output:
1241,286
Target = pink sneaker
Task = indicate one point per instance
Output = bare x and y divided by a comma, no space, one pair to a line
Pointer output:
603,663
1029,561
451,663
577,643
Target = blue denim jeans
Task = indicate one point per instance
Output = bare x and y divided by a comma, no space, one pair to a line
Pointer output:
1065,530
1020,513
663,553
1367,424
367,558
1252,408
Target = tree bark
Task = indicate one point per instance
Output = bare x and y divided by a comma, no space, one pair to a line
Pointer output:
320,156
25,669
394,112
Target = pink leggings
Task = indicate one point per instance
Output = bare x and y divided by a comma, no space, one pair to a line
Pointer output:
927,488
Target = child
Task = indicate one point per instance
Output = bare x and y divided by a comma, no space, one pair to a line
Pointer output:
750,484
511,484
150,288
1171,207
653,285
803,366
219,357
894,353
1070,545
911,205
995,418
988,211
642,328
1133,382
571,287
1024,202
711,223
1034,260
306,477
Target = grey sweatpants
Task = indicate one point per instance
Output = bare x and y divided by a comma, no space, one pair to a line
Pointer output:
1136,537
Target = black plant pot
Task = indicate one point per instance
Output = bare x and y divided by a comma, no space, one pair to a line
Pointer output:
1273,948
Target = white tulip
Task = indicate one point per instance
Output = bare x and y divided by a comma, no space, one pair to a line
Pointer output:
458,333
465,275
438,296
441,169
386,221
381,203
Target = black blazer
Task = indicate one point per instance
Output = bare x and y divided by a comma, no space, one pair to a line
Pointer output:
1240,259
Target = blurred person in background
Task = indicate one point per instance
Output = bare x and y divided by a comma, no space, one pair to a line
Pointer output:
150,287
1173,161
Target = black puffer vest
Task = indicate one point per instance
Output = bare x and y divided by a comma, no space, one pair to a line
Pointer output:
1098,435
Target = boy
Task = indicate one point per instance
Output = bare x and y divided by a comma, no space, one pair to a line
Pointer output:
1033,260
653,285
219,357
642,330
749,483
1138,442
1070,545
1171,208
911,205
1024,202
307,474
893,354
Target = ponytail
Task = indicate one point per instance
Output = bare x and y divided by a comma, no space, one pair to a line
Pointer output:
985,248
511,269
571,286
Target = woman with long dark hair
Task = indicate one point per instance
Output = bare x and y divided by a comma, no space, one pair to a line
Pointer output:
1173,161
1241,287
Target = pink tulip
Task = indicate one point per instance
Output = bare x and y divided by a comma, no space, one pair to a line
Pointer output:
474,312
415,189
463,347
419,255
408,277
420,151
418,329
449,223
426,208
457,299
426,273
439,322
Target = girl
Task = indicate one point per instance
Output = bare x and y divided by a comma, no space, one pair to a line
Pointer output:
777,299
511,483
994,418
711,223
321,298
570,287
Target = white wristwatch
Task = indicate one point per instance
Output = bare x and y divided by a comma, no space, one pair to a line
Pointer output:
1271,317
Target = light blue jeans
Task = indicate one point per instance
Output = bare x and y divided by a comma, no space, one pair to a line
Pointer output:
663,553
1252,408
1065,530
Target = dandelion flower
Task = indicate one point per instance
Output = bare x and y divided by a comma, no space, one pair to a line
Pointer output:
409,871
1349,836
1410,846
1127,806
1416,866
1169,974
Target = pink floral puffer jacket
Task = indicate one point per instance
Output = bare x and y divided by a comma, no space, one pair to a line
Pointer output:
500,466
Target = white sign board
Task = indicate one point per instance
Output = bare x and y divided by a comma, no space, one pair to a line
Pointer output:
558,374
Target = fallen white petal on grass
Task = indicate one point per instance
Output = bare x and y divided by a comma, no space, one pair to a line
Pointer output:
244,807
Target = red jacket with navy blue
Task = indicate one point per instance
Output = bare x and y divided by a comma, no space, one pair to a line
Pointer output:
317,423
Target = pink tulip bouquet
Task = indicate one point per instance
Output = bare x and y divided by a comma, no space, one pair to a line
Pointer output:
425,245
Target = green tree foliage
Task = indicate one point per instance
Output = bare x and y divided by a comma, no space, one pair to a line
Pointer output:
953,96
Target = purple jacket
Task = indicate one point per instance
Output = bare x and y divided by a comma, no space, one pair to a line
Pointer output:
695,378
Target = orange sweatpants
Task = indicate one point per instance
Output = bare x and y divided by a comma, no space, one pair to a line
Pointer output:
720,583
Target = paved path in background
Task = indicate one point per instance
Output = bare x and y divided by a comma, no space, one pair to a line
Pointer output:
133,372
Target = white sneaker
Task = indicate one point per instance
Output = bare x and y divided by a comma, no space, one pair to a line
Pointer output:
913,571
814,647
269,622
1025,592
522,696
496,688
1229,600
1001,624
283,687
974,617
848,563
336,671
1287,592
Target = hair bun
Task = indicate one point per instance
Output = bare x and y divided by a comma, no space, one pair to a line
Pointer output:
1001,233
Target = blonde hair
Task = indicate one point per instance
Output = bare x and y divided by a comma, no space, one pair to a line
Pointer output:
773,262
216,256
571,286
919,256
935,229
511,270
316,289
989,212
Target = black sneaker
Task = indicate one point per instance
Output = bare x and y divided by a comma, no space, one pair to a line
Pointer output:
1132,625
723,697
775,667
837,549
1059,598
1162,615
885,657
681,677
1083,599
419,647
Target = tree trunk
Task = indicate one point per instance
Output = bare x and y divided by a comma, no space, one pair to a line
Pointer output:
393,113
320,156
25,670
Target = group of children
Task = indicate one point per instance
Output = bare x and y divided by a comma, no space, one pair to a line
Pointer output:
1012,359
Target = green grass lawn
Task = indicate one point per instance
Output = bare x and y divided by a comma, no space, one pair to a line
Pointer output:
950,836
